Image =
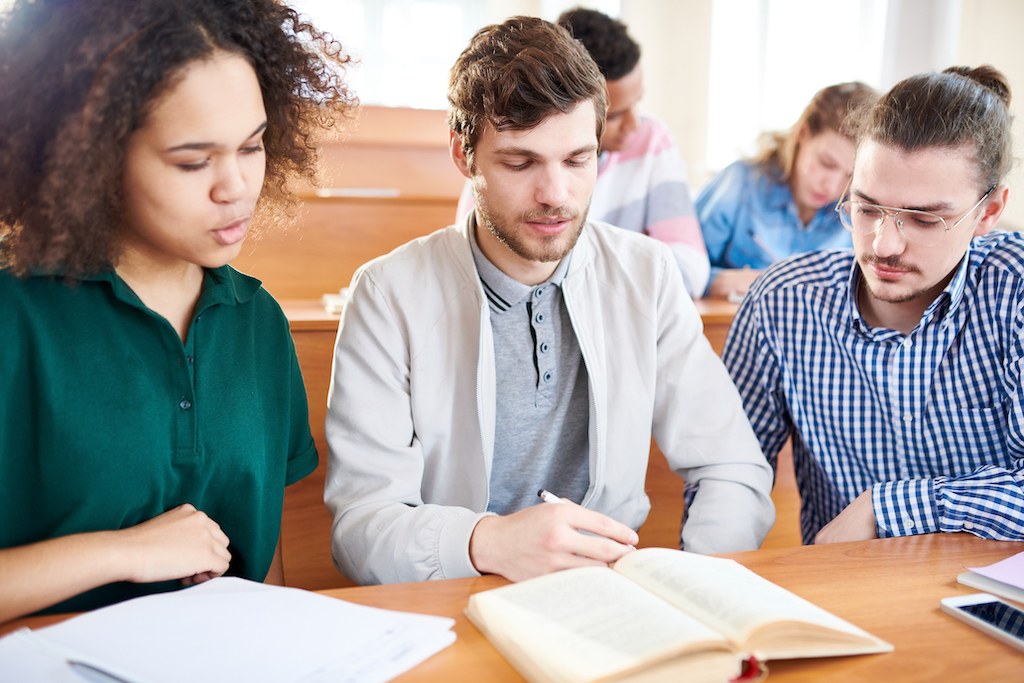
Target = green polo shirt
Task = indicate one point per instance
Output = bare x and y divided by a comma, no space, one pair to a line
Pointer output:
108,420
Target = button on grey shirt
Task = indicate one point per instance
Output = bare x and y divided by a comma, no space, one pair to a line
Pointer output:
543,401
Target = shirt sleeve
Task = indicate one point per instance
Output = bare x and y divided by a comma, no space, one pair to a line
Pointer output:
701,428
755,369
382,531
987,502
302,456
717,207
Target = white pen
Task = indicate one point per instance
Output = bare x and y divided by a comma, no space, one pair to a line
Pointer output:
549,497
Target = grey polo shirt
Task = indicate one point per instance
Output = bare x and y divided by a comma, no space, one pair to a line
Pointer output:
543,399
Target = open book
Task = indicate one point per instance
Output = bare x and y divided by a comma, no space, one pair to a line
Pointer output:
660,614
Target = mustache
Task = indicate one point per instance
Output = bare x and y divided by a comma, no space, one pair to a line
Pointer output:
563,212
894,262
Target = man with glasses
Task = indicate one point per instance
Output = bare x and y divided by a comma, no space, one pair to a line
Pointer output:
895,368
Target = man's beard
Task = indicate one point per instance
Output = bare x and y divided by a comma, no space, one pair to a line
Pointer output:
552,248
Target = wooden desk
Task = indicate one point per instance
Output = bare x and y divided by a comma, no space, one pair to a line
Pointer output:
889,587
308,315
717,315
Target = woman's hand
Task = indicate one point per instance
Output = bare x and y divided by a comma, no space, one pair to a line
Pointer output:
182,543
736,280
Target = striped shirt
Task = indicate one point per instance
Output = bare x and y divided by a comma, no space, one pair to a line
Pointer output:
643,188
932,422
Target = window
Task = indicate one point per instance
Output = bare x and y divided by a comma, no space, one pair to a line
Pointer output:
769,57
405,48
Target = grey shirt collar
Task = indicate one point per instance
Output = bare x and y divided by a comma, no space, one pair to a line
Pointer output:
502,291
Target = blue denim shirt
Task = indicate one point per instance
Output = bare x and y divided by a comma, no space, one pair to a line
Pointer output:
750,221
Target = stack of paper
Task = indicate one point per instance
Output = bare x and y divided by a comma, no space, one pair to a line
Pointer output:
1005,578
333,303
227,629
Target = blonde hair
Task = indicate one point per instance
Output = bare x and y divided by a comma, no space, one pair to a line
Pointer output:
829,109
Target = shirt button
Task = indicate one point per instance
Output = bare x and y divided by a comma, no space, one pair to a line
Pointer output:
968,525
908,342
547,376
191,360
543,347
908,522
185,404
540,291
908,418
539,317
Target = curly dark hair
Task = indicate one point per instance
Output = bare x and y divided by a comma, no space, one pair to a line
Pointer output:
515,74
78,77
606,40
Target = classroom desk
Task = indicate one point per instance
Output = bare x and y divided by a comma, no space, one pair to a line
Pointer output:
308,315
889,587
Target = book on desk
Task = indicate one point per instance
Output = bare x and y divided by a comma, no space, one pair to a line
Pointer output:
660,614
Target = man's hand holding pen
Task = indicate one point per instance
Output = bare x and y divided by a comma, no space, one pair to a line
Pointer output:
544,538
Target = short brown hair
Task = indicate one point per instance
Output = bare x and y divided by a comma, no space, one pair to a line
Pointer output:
960,106
78,77
829,109
514,75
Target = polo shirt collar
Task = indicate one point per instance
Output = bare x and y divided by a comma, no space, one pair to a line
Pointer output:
503,292
949,299
223,285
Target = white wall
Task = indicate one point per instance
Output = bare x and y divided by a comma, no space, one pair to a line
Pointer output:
991,32
675,41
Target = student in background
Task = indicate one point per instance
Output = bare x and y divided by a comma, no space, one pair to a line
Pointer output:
526,348
151,405
896,367
641,179
781,202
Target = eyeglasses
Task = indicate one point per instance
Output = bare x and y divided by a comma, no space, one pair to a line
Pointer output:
920,227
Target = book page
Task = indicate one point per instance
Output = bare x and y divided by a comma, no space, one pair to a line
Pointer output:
723,593
586,624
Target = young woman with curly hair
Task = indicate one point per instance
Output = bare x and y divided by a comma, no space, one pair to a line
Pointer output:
151,405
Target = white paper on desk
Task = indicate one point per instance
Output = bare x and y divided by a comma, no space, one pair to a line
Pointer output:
26,657
232,629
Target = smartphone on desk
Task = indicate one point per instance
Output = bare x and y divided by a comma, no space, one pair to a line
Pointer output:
987,613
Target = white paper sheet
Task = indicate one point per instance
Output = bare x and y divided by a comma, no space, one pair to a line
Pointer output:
233,629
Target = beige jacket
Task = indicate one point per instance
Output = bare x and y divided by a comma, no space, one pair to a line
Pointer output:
410,419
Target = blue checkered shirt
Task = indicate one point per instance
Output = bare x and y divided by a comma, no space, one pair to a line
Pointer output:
931,421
